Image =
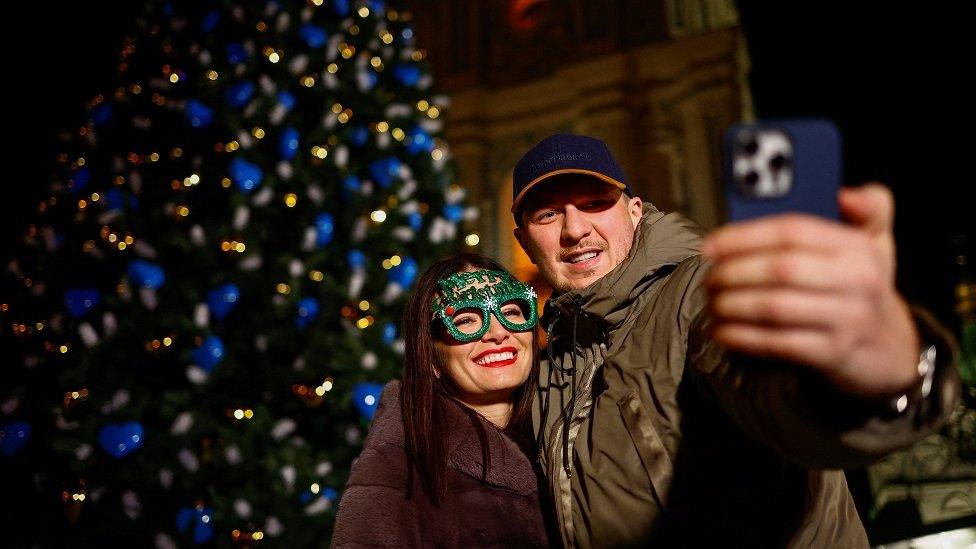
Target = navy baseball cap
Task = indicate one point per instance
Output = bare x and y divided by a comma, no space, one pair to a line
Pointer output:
565,153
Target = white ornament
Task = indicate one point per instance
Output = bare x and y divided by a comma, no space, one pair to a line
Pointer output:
279,300
130,504
196,374
285,170
242,508
233,455
332,48
244,139
261,343
399,346
454,194
148,298
64,424
359,230
398,110
87,334
144,249
407,189
296,267
403,233
242,216
391,292
10,405
323,468
368,361
299,364
201,315
288,475
165,478
340,156
263,197
282,428
162,541
181,425
299,64
83,451
284,19
267,85
356,282
330,120
366,188
109,323
278,113
318,505
119,399
309,239
329,80
471,213
425,82
197,236
205,57
252,262
273,527
188,460
353,436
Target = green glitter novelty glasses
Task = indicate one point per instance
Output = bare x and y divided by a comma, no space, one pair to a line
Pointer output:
469,299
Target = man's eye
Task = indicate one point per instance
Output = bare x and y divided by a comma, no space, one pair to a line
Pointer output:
545,215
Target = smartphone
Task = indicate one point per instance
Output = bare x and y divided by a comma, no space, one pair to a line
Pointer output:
778,166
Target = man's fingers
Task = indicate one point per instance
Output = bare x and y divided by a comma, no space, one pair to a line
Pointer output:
807,346
779,232
781,308
870,207
790,268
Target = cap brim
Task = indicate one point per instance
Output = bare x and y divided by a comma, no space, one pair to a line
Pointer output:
606,179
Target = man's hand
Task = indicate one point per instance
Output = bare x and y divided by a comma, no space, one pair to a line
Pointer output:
818,293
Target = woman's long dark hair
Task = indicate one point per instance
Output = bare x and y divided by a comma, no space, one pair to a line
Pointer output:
424,396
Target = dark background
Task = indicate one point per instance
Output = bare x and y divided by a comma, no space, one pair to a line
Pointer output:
891,77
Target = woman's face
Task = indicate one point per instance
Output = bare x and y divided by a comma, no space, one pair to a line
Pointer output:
488,369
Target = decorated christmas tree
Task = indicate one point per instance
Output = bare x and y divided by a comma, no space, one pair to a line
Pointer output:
202,315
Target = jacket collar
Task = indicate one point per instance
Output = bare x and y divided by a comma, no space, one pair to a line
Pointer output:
510,468
660,240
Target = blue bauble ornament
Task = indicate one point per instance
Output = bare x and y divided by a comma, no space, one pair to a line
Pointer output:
288,143
121,439
79,301
246,175
389,333
453,212
199,519
420,141
408,75
236,53
145,274
366,396
330,494
377,7
352,183
222,299
14,436
287,100
209,354
416,220
341,7
210,22
314,36
79,179
101,114
358,135
324,229
405,273
239,94
384,171
198,114
356,259
308,309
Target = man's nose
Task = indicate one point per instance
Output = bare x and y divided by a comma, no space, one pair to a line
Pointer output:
575,225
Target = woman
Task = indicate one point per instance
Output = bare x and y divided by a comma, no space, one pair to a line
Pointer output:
448,460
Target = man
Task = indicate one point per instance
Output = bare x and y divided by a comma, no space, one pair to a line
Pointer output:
707,393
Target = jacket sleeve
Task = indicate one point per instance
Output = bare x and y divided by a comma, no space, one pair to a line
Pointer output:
374,511
795,412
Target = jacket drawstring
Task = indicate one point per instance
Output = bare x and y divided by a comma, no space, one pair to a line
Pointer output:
571,371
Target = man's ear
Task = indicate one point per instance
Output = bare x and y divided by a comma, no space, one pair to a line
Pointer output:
635,207
519,233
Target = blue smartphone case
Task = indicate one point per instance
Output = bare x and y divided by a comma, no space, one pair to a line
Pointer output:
778,166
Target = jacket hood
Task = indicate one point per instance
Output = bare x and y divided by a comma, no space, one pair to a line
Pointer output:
660,240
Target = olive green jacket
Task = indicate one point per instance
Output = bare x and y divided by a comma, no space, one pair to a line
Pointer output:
672,441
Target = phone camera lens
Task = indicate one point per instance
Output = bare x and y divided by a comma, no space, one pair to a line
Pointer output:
779,162
751,147
752,178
